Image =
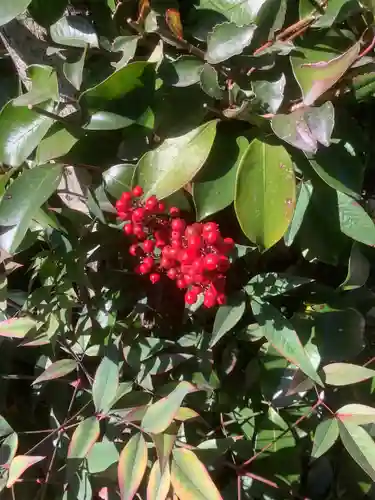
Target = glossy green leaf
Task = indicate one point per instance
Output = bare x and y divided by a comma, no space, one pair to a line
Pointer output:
106,382
44,86
358,269
104,120
101,456
183,72
354,221
21,130
316,71
265,193
58,369
56,144
228,40
163,363
83,439
16,328
22,201
303,199
325,436
190,478
118,179
209,81
269,93
237,11
74,31
127,45
336,10
271,284
356,413
18,466
281,334
132,466
158,482
360,445
346,373
160,414
12,8
168,168
228,316
214,187
73,70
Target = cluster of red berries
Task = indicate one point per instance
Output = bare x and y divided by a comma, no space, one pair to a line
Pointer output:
194,256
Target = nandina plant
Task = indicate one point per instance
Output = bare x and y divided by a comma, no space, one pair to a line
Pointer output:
187,248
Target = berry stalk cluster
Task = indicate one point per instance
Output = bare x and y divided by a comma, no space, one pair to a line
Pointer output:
194,256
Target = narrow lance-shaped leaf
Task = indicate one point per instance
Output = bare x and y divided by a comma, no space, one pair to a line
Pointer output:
346,373
18,466
58,369
158,482
16,328
132,466
106,381
228,316
83,439
356,413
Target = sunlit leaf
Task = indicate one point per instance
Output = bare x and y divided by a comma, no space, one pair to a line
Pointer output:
18,466
132,466
158,482
346,373
58,369
325,436
359,445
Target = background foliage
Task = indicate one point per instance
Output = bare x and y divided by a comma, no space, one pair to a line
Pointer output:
258,115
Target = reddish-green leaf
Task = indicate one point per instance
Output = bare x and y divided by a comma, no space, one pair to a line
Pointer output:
159,415
190,478
359,445
346,373
325,437
164,443
16,328
356,413
84,437
158,482
173,20
19,465
131,467
56,370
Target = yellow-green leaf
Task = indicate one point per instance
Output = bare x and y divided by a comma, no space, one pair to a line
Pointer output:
131,466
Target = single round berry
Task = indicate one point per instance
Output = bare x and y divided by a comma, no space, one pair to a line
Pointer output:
148,261
209,297
151,203
211,261
178,225
126,197
172,273
128,229
195,241
190,297
210,226
188,278
139,232
148,246
144,269
161,206
120,206
166,263
138,215
193,230
134,250
173,253
176,244
137,191
197,265
180,283
198,278
229,243
223,264
154,278
174,212
211,237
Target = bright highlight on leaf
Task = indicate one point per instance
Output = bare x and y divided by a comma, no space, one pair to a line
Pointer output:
132,466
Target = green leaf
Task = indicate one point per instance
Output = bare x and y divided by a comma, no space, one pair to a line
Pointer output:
104,120
227,40
118,179
303,199
190,478
101,456
74,31
354,221
213,189
325,437
158,482
160,414
346,373
127,45
238,11
106,382
317,71
269,93
18,466
356,413
21,130
12,8
173,164
73,70
8,449
183,72
22,201
44,86
336,10
132,466
209,81
265,193
280,333
272,284
58,143
83,439
228,316
16,328
165,362
358,269
360,445
58,369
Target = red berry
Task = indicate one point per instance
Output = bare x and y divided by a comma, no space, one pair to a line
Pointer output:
161,206
148,246
223,264
180,283
210,227
137,191
197,265
195,242
126,197
176,236
128,229
154,278
160,243
211,261
151,203
139,232
166,263
189,280
124,215
190,297
208,302
193,230
137,269
138,215
174,212
176,244
148,261
144,269
209,297
211,237
120,206
172,273
178,225
196,289
198,278
221,299
134,250
173,253
229,243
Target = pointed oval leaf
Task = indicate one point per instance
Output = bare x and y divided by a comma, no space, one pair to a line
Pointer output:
55,145
173,20
168,168
132,466
354,221
16,328
209,81
84,438
356,413
183,72
303,200
118,179
22,201
227,40
346,373
269,93
159,415
101,456
74,31
58,369
360,445
106,382
73,70
19,465
127,45
325,437
164,443
281,334
158,482
265,193
358,269
44,86
104,120
11,9
228,316
272,284
189,477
